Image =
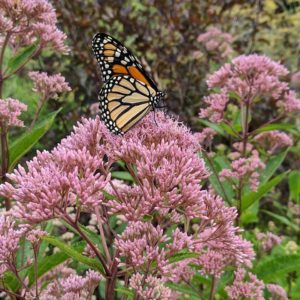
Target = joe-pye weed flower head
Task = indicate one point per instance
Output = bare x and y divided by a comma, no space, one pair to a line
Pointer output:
167,171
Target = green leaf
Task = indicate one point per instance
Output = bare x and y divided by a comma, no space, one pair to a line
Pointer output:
252,197
186,290
125,291
44,244
46,264
123,175
17,61
221,162
25,142
228,129
11,281
94,237
147,218
182,256
108,196
71,252
273,164
224,188
215,127
279,126
294,185
283,220
271,269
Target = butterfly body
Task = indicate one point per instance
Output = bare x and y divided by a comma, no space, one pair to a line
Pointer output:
128,93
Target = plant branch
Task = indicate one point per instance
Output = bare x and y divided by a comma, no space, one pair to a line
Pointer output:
83,235
213,288
12,294
35,252
103,239
4,159
5,42
111,280
23,65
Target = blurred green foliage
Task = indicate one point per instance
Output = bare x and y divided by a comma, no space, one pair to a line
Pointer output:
163,34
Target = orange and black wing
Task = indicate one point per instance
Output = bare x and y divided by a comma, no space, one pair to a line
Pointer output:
115,59
124,100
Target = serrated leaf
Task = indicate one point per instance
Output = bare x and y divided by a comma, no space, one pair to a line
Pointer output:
71,252
276,267
22,56
251,197
26,141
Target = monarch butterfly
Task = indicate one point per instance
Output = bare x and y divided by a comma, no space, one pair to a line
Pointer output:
129,92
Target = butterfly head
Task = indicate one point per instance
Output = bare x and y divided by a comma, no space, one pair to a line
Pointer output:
158,97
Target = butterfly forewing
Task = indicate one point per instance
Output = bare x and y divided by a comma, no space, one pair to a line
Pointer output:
123,102
115,59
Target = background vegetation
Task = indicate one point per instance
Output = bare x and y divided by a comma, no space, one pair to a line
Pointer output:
165,36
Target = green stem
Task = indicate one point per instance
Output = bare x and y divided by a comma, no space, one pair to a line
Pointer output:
3,127
4,159
245,137
213,288
112,279
35,251
93,247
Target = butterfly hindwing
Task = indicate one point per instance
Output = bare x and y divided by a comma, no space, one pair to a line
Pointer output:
115,59
123,102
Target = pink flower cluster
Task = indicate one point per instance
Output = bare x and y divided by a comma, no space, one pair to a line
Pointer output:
216,107
244,168
151,288
10,235
72,287
10,110
206,136
273,140
30,21
54,181
250,76
167,171
246,79
49,86
268,240
251,289
277,292
214,40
